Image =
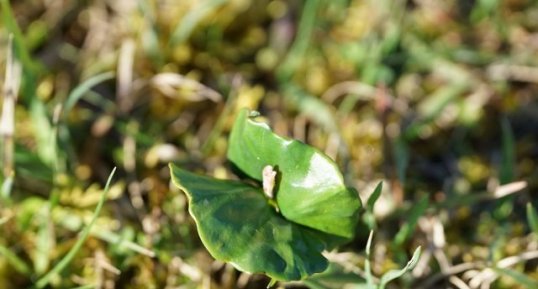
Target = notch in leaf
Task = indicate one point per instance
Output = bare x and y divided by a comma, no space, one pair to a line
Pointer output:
239,224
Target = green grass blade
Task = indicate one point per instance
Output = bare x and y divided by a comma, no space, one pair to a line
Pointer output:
43,281
395,274
532,217
431,107
44,242
117,240
272,283
400,150
15,261
31,70
44,133
221,120
367,267
300,45
20,48
374,197
310,106
185,27
313,284
5,189
84,87
521,278
415,212
61,133
368,216
335,277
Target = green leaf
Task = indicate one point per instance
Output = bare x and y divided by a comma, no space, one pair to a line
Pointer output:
309,187
237,225
521,278
395,274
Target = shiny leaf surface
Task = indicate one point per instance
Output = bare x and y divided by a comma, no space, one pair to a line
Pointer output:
309,189
237,225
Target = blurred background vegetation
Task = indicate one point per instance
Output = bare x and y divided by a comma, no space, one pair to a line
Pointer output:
439,99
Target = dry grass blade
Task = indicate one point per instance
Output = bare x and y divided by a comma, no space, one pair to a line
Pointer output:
125,76
513,72
362,91
175,85
508,189
7,121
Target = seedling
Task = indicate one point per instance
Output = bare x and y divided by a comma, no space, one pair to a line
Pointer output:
280,228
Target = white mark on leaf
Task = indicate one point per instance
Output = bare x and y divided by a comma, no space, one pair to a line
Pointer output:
268,175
